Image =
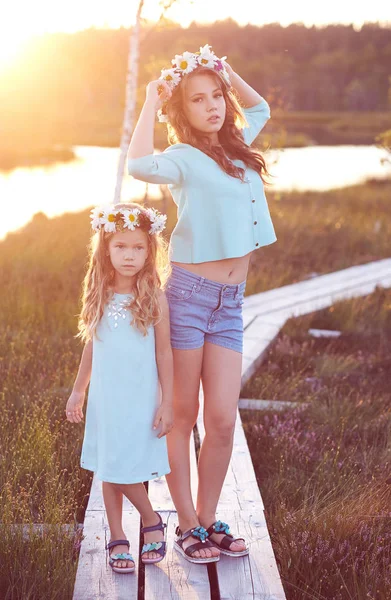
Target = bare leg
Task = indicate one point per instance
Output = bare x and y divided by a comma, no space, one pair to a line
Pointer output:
112,496
137,494
221,376
187,374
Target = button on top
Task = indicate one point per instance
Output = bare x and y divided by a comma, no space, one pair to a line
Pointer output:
257,244
253,200
255,222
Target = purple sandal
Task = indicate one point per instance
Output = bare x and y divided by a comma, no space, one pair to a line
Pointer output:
158,547
121,556
197,532
224,544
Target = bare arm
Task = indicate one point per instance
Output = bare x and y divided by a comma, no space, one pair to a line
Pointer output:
164,358
165,366
142,142
74,407
247,94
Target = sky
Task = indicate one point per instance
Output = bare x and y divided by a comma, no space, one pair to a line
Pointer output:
22,19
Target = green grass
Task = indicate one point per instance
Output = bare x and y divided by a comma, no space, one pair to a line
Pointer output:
41,270
324,470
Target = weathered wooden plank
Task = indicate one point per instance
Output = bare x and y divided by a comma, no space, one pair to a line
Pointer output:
286,296
253,357
255,404
95,579
248,318
254,348
287,301
43,529
320,281
255,576
307,307
241,496
261,329
324,333
174,578
333,290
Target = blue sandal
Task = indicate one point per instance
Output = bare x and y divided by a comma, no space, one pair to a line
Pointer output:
197,532
158,547
224,544
120,556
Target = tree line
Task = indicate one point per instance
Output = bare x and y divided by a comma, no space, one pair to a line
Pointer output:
75,83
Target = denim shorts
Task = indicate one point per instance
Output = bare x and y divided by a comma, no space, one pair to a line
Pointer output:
202,310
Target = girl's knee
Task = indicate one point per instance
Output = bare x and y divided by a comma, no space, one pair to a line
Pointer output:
185,423
221,431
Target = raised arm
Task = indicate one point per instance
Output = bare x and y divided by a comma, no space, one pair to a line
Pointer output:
143,164
247,94
142,142
257,111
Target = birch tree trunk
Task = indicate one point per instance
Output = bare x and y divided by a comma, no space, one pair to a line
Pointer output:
130,105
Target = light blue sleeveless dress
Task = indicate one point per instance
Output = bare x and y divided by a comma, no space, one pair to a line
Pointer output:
119,443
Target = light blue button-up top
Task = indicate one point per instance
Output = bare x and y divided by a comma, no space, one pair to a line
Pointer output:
219,216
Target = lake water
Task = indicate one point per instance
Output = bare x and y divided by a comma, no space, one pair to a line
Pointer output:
90,180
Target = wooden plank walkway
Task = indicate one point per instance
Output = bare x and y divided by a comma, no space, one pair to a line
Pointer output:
252,577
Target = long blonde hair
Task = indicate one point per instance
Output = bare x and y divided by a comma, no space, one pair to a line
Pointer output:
232,145
98,282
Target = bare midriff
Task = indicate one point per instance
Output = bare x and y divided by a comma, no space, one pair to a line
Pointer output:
227,270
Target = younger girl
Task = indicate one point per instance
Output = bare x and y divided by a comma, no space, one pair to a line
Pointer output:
125,324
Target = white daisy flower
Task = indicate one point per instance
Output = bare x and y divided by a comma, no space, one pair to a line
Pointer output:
158,221
158,225
109,220
185,62
171,77
206,57
162,117
97,216
130,218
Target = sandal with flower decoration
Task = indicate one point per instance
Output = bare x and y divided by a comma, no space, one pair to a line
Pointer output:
120,556
224,544
158,547
197,532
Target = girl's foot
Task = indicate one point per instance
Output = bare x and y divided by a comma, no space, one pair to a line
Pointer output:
203,552
236,546
121,563
152,536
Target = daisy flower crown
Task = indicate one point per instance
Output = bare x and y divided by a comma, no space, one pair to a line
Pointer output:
186,63
113,220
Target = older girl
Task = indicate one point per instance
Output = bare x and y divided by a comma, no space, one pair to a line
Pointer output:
216,180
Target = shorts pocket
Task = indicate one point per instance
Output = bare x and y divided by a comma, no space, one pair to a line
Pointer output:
239,300
180,293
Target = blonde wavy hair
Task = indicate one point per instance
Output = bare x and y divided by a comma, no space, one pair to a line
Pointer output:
99,279
231,142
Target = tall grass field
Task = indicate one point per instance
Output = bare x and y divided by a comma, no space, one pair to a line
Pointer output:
324,467
41,482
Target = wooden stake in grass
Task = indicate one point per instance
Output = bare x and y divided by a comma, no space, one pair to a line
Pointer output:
131,92
130,107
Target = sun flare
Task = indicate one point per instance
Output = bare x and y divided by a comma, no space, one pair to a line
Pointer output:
10,47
